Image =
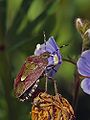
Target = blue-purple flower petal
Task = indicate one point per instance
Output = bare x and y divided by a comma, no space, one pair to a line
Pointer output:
53,48
83,64
85,85
53,43
50,46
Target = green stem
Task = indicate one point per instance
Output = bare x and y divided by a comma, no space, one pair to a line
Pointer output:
5,74
68,60
76,90
76,84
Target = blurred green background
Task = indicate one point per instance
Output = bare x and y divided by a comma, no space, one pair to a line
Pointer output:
22,23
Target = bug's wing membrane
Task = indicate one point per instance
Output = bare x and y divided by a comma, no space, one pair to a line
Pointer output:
29,73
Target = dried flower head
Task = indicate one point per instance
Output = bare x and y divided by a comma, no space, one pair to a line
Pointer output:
48,107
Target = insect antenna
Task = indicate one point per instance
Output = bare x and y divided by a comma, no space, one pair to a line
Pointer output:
58,49
64,45
44,38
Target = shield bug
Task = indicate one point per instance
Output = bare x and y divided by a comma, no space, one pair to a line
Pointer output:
55,58
47,58
28,77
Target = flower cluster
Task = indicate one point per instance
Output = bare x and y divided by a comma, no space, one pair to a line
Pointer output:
83,63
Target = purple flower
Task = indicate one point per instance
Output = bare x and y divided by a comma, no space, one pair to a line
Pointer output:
83,65
55,58
85,85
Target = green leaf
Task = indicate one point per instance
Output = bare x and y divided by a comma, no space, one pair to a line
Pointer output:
19,16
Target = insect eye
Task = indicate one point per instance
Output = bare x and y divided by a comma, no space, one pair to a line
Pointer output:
45,55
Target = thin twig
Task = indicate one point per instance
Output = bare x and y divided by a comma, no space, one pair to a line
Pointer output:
68,60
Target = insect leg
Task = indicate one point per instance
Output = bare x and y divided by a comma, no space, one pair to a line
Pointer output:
47,76
55,85
52,67
54,82
46,81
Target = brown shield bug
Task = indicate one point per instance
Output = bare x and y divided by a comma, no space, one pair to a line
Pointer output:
27,79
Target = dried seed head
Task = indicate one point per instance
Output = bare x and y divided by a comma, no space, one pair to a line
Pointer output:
48,107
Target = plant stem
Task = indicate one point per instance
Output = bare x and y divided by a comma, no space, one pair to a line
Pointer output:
68,60
76,90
